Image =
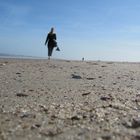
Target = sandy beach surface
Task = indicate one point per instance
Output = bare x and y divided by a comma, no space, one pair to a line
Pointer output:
69,100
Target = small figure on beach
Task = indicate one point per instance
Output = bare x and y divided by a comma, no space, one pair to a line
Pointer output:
51,42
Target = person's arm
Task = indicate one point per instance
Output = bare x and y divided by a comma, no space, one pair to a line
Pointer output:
55,36
47,39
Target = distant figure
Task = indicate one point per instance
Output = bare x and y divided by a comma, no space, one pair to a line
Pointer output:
83,59
51,40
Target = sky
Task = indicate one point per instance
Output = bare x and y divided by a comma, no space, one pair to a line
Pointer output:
107,30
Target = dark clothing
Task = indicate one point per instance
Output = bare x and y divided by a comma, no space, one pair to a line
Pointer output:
51,40
50,50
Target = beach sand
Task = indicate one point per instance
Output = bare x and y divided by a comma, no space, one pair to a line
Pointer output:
69,100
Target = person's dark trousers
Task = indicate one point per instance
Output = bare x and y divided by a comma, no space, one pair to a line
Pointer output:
50,50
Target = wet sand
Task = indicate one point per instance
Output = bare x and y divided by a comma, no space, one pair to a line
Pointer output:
69,100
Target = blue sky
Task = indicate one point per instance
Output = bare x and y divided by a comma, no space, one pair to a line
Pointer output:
93,29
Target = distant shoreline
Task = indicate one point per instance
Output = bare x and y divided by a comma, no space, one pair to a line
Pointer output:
12,56
57,59
21,57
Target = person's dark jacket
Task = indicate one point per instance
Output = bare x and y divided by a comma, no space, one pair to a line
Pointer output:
51,39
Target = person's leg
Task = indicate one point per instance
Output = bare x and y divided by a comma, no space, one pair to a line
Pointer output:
50,50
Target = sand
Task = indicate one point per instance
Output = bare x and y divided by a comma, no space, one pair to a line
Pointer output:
69,100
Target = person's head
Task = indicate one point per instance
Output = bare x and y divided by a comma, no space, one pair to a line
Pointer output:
52,30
